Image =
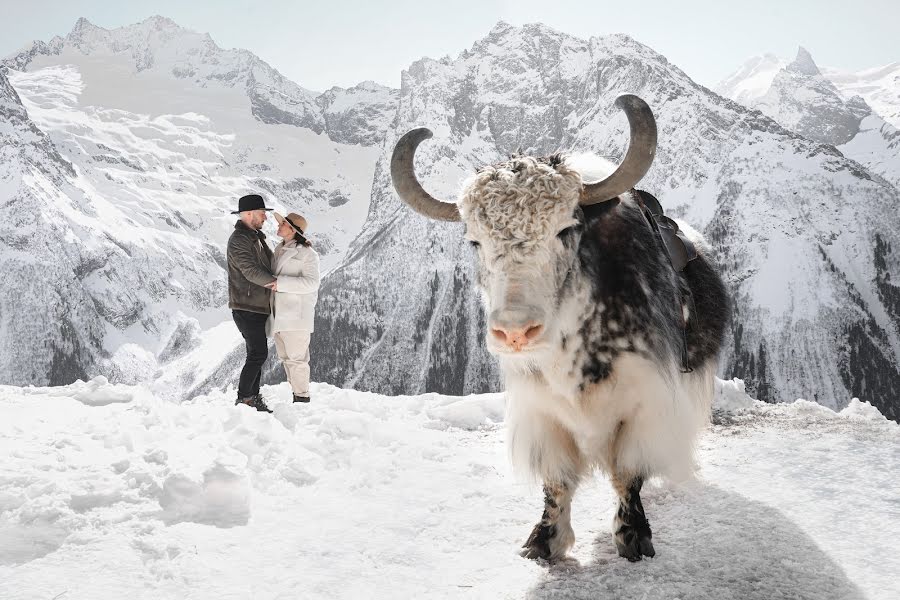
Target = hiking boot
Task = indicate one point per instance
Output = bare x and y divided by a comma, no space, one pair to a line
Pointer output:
260,404
256,401
301,398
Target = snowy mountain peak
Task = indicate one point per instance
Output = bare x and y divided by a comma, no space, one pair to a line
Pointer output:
82,26
803,99
367,85
188,60
533,32
159,22
500,28
533,46
804,64
530,36
752,79
147,41
360,114
84,32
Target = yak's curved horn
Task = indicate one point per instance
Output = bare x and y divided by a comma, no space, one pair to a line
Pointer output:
638,159
408,187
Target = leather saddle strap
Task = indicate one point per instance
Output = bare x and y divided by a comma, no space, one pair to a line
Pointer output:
679,248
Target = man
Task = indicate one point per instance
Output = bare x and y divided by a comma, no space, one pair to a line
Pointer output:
249,275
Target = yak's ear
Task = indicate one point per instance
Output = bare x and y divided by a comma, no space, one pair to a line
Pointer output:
407,185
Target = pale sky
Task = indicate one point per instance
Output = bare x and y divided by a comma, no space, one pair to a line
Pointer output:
342,42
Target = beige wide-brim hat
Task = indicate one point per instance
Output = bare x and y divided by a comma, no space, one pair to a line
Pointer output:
294,220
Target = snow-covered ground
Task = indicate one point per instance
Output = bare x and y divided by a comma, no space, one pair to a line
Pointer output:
109,492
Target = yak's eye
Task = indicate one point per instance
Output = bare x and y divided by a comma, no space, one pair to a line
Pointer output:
566,232
474,244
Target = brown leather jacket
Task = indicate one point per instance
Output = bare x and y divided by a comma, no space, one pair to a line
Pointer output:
249,270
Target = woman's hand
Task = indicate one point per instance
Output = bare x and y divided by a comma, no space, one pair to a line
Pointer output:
273,286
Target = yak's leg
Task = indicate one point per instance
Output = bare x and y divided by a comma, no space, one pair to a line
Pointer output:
631,531
554,456
552,537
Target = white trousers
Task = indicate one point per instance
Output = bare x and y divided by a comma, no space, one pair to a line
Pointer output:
293,350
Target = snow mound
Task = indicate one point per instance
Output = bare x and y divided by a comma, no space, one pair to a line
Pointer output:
222,499
23,543
99,392
864,411
472,412
96,392
731,395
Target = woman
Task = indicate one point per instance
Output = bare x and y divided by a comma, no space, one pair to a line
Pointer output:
295,266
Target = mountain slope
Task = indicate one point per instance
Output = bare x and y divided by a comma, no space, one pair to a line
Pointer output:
880,87
802,99
63,329
74,261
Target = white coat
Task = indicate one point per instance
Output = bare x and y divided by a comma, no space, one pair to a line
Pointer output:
293,305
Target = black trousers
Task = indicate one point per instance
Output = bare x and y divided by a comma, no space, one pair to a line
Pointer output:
253,327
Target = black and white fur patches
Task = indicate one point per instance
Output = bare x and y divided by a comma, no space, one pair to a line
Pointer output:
604,388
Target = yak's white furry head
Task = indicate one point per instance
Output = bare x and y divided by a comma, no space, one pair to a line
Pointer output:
525,200
521,215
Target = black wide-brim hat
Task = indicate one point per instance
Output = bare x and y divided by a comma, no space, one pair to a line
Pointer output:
250,202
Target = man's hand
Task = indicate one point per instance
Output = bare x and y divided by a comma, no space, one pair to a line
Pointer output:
273,286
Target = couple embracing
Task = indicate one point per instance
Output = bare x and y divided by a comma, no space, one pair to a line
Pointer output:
272,293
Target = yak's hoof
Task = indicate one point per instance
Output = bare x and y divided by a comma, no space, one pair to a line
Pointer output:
549,542
634,543
538,543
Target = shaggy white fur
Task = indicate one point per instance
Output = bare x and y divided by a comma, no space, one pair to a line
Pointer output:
514,211
518,210
556,432
591,167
